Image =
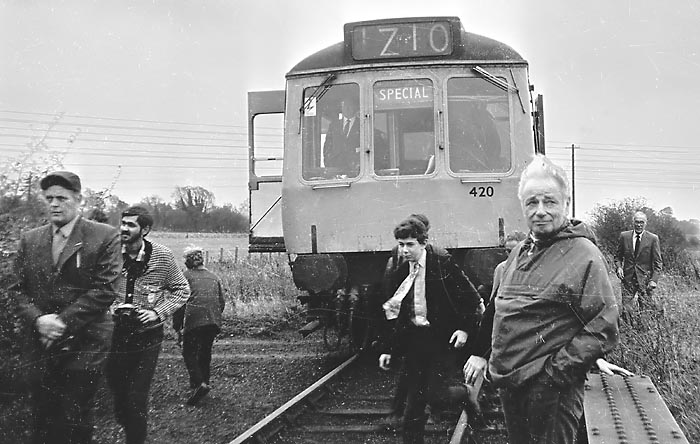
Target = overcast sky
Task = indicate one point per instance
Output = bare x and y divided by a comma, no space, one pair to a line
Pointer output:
621,81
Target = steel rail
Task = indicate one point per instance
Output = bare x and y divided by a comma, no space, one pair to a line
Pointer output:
252,432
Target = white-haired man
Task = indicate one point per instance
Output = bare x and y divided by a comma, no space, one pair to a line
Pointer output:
553,315
639,264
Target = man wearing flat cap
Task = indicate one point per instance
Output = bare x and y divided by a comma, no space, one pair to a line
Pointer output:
67,274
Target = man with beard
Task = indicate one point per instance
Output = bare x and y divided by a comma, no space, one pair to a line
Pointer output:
153,287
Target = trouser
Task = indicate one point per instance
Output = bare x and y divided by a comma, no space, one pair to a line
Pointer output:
541,412
426,370
61,404
635,299
398,403
130,369
196,350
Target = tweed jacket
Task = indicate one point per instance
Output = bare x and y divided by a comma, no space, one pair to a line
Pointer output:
80,288
451,300
646,265
161,286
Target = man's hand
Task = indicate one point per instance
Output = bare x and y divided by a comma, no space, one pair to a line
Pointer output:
384,361
610,368
481,308
473,368
146,316
620,273
50,327
458,339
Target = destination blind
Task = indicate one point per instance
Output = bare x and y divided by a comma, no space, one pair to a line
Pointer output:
402,39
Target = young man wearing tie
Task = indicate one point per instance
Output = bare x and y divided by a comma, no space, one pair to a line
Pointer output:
431,308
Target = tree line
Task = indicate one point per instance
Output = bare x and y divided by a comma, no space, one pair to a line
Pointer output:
192,210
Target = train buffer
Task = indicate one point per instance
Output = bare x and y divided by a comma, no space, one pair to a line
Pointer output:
628,410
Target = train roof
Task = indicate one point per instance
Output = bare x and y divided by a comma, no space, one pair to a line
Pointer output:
472,48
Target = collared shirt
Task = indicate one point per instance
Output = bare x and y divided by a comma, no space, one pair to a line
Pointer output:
140,255
420,307
634,238
160,286
60,237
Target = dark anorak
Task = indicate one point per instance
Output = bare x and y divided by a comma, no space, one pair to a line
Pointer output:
554,311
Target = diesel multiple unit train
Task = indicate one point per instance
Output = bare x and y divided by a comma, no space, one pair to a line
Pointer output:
410,115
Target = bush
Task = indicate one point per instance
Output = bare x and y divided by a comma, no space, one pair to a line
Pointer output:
15,216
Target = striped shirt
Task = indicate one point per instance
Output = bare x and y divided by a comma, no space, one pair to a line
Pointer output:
162,287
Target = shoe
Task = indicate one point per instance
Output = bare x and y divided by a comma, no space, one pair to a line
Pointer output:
199,393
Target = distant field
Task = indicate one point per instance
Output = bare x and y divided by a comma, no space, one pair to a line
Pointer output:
210,242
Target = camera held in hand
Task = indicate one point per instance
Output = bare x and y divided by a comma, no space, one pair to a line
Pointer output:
126,315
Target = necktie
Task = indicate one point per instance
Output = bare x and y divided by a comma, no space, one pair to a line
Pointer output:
636,244
393,305
420,307
57,245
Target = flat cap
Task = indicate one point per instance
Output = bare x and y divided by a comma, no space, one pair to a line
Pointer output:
66,179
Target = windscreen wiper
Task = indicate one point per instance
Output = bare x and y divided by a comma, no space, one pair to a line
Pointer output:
504,85
319,92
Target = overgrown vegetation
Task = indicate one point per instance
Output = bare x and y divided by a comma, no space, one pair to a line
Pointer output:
678,238
663,344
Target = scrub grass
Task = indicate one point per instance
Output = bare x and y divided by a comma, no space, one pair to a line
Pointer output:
664,344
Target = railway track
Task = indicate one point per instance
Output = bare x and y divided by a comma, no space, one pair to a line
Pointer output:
350,404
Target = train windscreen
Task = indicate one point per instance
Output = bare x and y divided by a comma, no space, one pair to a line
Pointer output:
331,132
478,119
404,127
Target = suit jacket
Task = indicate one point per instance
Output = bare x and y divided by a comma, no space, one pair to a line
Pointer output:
451,300
80,288
646,265
339,149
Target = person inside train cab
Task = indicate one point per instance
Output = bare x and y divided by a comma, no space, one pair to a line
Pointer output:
341,149
552,317
431,309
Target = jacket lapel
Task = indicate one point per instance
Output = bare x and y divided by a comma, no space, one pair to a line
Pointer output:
630,244
73,244
643,243
43,249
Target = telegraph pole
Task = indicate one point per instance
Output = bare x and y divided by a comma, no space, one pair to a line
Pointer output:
573,182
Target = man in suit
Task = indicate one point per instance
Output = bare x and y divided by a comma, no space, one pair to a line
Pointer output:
639,264
431,309
67,276
341,150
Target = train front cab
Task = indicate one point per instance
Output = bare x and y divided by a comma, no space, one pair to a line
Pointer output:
445,136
